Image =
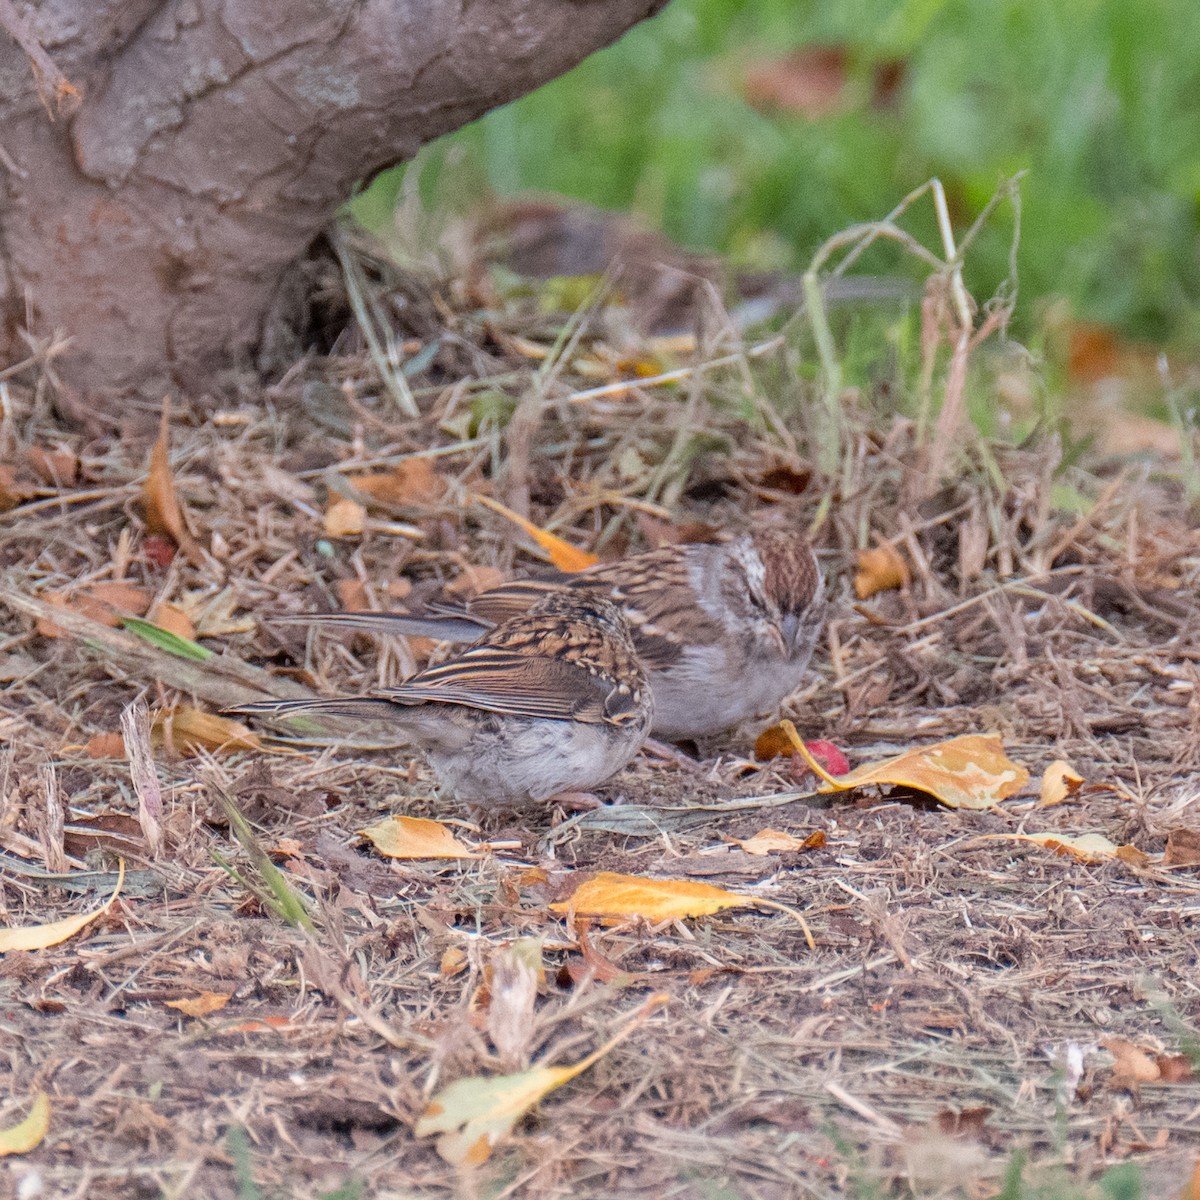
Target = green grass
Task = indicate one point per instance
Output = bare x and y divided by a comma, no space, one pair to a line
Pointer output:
1099,99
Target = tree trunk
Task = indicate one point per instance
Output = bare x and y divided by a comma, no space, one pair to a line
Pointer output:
200,145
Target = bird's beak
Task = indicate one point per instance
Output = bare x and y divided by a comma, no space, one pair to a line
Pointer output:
792,631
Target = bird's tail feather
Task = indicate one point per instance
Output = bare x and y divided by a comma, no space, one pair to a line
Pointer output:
440,628
345,706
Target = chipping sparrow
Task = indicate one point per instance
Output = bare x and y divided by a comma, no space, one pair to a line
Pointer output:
553,699
725,631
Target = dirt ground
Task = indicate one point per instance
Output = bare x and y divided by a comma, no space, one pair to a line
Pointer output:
962,1027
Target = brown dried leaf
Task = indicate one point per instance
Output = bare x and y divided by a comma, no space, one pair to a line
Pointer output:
1175,1068
187,730
58,468
880,570
116,832
1183,848
13,490
774,841
164,514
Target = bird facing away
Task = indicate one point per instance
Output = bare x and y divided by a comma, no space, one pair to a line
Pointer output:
725,631
552,700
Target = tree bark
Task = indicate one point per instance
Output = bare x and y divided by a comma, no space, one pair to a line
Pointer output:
200,145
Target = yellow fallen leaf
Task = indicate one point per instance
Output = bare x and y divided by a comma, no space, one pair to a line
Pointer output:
772,841
27,1134
971,772
612,895
201,1005
1086,847
187,730
415,837
880,570
475,1113
38,937
345,518
562,554
1059,783
164,514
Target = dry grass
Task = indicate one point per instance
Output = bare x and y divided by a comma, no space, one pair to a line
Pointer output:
951,1013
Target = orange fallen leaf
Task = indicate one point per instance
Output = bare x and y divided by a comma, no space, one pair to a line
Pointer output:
201,1005
345,518
773,841
106,603
880,570
269,1024
562,554
187,730
415,837
174,620
1132,1065
164,513
1191,1189
474,1114
1059,783
611,895
969,772
38,937
413,481
453,961
106,745
28,1134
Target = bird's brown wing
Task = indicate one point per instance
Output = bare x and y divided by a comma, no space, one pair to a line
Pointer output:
503,681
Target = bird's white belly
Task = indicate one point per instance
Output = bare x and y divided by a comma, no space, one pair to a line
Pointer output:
534,759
